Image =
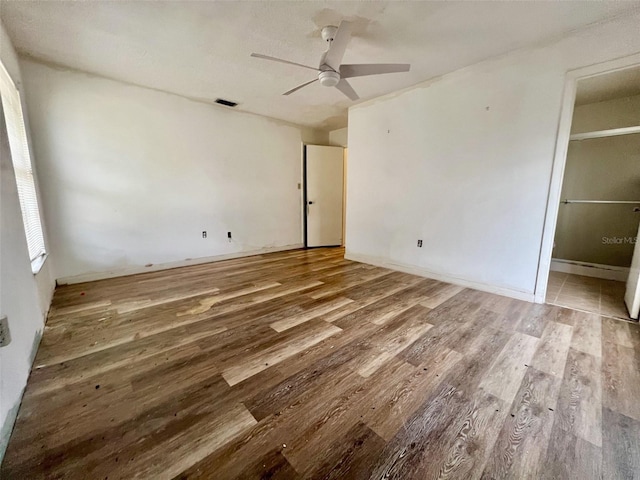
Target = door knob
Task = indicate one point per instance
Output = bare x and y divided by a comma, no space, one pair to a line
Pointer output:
310,203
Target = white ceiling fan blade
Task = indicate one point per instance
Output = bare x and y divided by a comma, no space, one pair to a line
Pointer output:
346,88
350,71
333,57
274,59
299,87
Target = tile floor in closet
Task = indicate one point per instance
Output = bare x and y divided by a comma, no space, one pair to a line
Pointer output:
595,295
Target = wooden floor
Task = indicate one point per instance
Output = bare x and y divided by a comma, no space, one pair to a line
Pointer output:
305,365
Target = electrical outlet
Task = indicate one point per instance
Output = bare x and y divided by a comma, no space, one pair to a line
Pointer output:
229,236
5,335
419,243
204,234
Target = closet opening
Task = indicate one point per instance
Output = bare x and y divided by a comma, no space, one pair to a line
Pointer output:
595,264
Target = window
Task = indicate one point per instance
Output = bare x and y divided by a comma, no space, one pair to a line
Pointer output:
21,158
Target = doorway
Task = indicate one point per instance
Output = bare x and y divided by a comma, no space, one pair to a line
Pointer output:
323,196
598,210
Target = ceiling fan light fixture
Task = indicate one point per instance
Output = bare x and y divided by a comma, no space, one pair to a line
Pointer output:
329,78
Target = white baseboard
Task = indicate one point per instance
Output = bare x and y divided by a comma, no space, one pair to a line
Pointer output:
608,272
123,272
422,272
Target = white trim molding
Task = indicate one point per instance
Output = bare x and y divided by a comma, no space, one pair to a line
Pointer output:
423,272
608,272
123,272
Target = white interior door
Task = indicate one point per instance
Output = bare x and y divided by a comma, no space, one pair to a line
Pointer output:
324,182
632,295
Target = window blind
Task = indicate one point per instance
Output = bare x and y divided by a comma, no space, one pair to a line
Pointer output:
14,119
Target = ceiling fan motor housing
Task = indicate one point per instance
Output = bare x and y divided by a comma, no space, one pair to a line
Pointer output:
329,78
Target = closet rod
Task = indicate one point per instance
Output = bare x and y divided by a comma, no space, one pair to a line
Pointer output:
630,202
614,132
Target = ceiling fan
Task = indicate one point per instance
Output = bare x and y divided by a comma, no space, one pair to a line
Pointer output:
330,72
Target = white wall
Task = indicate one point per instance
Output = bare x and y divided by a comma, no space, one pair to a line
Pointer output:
617,113
464,162
24,297
338,137
312,136
132,176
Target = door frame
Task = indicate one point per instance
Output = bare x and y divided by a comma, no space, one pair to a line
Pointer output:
304,193
304,196
560,160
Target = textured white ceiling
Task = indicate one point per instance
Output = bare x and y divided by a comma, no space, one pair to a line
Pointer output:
624,83
201,49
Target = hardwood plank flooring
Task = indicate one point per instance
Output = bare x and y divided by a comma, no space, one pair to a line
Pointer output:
302,364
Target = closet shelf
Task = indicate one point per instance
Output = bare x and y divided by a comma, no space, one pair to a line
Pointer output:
612,202
614,132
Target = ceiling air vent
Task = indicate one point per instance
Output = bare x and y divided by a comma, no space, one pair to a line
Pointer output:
226,103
